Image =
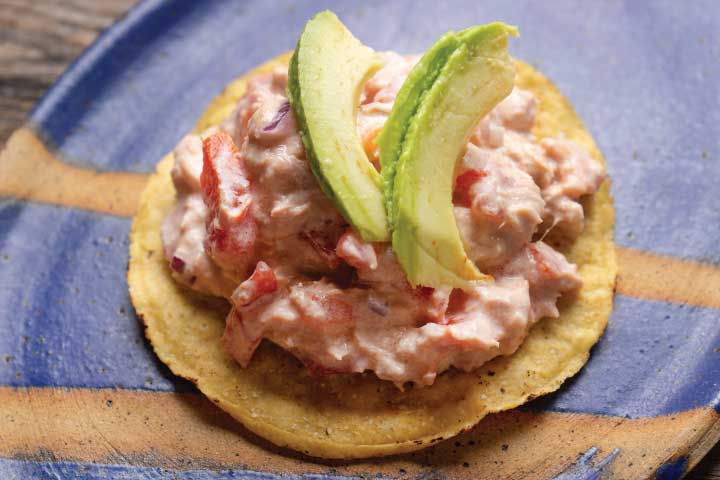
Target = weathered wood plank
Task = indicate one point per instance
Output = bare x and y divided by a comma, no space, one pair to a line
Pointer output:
709,468
38,39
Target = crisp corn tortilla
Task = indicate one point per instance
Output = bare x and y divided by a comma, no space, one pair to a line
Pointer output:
356,416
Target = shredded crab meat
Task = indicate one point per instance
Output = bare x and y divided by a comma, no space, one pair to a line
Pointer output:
251,224
497,206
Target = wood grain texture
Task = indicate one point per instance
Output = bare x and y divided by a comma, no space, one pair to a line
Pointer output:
38,40
709,468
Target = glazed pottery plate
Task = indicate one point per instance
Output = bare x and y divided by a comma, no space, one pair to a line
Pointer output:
83,396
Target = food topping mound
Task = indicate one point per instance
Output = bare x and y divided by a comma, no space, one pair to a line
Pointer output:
252,225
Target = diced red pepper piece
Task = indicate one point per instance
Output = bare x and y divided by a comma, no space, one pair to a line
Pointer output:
261,282
231,229
463,184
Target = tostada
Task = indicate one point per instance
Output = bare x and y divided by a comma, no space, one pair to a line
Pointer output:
361,253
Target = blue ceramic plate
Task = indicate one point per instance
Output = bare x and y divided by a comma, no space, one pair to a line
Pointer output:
82,394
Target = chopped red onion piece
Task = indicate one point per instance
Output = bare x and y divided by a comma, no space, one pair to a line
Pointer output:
177,264
377,305
282,112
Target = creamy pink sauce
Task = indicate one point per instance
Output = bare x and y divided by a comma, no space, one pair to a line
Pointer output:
250,224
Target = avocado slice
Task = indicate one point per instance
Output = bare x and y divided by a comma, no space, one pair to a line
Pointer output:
326,73
476,76
407,101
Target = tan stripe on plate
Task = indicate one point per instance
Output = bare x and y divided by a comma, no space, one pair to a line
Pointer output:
658,277
186,431
29,171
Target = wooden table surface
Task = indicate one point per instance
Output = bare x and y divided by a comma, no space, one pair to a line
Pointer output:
39,38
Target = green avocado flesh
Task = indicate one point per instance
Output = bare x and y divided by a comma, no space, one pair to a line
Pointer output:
326,74
475,77
407,101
